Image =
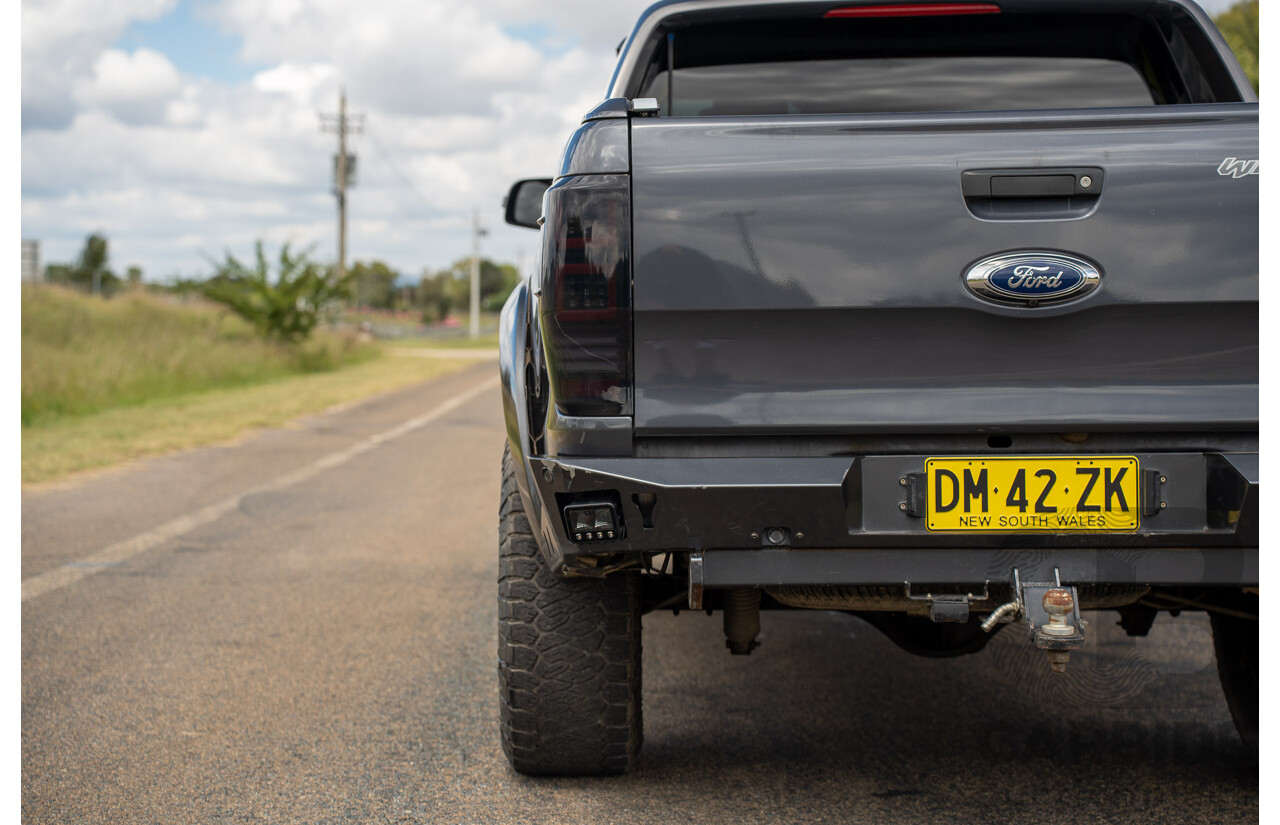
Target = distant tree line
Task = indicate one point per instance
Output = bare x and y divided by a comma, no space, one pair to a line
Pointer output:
91,272
288,304
437,293
286,297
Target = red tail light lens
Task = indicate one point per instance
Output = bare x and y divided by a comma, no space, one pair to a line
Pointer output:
915,10
585,306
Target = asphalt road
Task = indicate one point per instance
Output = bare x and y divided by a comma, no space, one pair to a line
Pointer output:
300,628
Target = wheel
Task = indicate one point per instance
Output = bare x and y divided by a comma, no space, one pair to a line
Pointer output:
1235,642
568,658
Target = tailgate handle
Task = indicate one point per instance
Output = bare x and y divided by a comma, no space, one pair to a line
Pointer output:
1032,183
1044,194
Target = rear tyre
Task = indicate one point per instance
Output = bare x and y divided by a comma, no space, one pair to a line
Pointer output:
568,658
1235,642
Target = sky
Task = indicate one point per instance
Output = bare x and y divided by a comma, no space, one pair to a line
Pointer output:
185,129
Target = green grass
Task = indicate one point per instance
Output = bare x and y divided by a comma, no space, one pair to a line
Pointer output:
103,439
83,355
106,381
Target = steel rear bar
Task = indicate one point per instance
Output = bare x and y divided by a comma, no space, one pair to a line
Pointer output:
856,507
1210,567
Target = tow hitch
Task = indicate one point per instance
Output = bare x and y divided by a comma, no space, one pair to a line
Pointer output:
1052,614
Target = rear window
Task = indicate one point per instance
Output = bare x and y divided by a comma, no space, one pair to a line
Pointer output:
926,84
808,63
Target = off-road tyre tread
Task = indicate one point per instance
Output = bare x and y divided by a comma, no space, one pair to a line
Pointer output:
568,658
1235,644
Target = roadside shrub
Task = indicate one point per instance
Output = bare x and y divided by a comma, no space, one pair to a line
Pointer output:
287,308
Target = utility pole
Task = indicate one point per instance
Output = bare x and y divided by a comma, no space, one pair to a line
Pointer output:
476,234
343,168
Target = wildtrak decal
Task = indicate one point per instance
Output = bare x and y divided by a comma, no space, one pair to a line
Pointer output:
1237,168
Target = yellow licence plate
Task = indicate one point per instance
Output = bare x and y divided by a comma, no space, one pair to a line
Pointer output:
1043,494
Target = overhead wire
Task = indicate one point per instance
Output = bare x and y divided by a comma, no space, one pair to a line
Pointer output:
399,172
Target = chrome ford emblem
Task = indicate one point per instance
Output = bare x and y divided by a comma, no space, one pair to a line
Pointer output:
1032,278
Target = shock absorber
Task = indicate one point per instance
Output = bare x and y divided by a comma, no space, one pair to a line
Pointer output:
741,620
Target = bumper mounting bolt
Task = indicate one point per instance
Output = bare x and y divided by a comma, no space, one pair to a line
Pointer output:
1058,660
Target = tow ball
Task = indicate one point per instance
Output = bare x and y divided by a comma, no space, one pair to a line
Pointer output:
1052,614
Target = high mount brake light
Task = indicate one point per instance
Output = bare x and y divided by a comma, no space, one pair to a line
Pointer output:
586,294
915,10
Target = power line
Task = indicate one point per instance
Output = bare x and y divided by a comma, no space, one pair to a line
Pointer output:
477,231
395,167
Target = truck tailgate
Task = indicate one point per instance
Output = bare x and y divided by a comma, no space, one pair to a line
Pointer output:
805,274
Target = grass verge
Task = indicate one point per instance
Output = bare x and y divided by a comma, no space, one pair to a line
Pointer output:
83,355
95,440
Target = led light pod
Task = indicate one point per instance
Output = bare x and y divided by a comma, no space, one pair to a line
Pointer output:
594,521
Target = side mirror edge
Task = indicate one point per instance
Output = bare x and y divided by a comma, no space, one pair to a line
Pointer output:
523,204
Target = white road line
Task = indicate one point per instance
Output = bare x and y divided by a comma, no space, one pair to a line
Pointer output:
113,554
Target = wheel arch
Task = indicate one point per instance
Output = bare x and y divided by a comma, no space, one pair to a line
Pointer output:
515,347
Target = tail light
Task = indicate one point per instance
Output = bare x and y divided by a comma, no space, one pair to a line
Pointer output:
586,294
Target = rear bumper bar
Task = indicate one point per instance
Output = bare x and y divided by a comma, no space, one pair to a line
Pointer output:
853,509
1210,567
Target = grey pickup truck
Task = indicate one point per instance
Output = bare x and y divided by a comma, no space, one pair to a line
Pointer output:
943,314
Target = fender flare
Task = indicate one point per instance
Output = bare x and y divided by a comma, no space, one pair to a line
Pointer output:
513,348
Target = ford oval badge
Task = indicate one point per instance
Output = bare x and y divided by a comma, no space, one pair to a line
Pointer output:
1032,278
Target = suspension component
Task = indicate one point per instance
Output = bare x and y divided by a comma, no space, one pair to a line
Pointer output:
741,620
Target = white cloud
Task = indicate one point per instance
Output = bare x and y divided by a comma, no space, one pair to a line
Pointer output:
61,42
400,56
300,81
134,87
50,24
